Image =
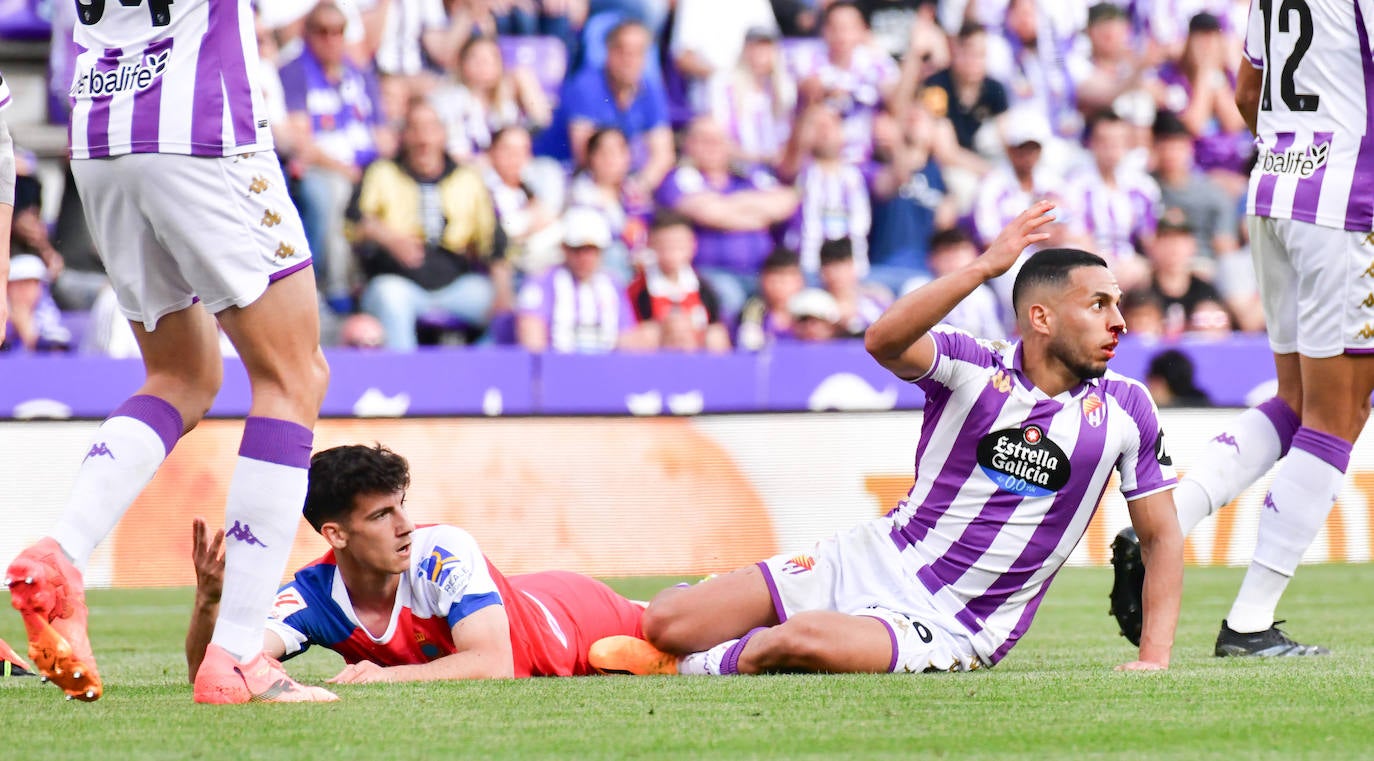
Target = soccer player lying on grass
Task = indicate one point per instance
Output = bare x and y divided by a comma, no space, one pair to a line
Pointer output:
1015,451
402,603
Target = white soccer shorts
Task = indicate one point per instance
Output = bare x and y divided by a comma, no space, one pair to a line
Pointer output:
860,572
1317,285
173,228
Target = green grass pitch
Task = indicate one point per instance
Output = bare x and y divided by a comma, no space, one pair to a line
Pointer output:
1055,696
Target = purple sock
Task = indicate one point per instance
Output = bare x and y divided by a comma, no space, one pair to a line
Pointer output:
156,413
1285,420
729,663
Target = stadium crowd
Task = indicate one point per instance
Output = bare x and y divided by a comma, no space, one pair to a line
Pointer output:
703,175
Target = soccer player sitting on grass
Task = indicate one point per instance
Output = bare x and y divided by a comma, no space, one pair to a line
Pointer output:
1015,450
402,603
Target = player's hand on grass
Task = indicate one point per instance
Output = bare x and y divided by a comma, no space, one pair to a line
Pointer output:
1142,666
364,672
208,555
1023,231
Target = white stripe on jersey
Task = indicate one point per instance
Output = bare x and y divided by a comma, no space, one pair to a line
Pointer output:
4,93
1316,151
186,86
1008,479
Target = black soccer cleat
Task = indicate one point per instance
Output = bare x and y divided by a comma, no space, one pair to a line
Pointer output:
1128,585
1270,643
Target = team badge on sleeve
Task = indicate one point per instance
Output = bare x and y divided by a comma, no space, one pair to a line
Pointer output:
445,570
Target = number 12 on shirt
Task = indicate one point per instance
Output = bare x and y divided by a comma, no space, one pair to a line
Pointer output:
91,11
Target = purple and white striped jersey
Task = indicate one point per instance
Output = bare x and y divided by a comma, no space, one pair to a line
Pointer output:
1001,198
159,77
834,205
1316,144
1117,216
1007,479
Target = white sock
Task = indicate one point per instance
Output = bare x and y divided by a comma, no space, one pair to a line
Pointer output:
1253,441
704,663
266,495
1295,509
125,452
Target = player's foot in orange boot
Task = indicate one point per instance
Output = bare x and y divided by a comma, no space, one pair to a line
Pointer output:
11,664
46,589
623,654
223,680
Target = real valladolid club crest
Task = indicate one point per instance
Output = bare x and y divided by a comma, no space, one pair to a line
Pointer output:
1094,410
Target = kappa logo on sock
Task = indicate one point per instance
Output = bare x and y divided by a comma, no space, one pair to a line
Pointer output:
1228,440
1269,503
98,450
243,533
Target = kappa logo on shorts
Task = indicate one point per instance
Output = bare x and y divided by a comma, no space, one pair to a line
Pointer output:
1369,271
1365,333
1369,241
270,218
1368,301
284,251
799,564
1024,461
260,184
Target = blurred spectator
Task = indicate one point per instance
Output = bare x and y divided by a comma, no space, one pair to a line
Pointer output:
1210,213
426,232
859,304
35,322
1020,181
972,97
1171,381
1169,23
1030,57
708,38
677,309
556,18
910,202
815,316
765,318
530,223
850,74
484,98
361,331
1112,204
1191,304
732,213
70,288
834,193
624,95
1112,75
577,307
981,313
602,186
337,129
756,100
1200,89
413,39
1143,311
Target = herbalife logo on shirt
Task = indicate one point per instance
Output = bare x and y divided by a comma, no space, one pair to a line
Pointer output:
1302,162
133,76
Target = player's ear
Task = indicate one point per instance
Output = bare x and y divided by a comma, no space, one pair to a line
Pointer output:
1039,317
335,534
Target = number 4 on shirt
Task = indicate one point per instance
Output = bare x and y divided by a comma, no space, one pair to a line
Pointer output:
91,11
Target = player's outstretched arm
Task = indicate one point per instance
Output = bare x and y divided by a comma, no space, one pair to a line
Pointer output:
899,338
484,652
1161,548
207,553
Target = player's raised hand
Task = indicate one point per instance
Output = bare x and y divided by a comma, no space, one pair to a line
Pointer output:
1022,232
363,672
207,554
1142,666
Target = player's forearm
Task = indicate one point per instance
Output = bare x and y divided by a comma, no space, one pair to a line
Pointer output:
1162,553
198,634
463,665
912,316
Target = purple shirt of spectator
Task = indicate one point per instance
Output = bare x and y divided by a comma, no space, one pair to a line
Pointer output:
1213,149
342,114
740,251
582,318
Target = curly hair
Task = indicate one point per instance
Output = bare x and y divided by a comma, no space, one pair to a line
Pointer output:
340,474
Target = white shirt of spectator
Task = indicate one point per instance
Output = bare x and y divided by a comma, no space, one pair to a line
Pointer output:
400,52
714,30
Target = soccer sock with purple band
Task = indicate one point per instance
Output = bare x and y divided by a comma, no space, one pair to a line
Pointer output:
266,495
1253,441
125,452
729,661
1295,509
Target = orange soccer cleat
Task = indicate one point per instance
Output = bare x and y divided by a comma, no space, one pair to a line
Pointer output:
46,589
622,654
223,680
10,662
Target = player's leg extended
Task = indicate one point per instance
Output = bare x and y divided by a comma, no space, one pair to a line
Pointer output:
277,337
183,375
815,641
722,608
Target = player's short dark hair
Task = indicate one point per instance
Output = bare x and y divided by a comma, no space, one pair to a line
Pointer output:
949,238
831,9
1050,267
340,474
780,258
836,250
665,218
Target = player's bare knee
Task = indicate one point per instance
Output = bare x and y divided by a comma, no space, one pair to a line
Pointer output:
662,622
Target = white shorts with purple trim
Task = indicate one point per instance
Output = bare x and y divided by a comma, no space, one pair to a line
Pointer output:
860,572
1317,285
172,229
